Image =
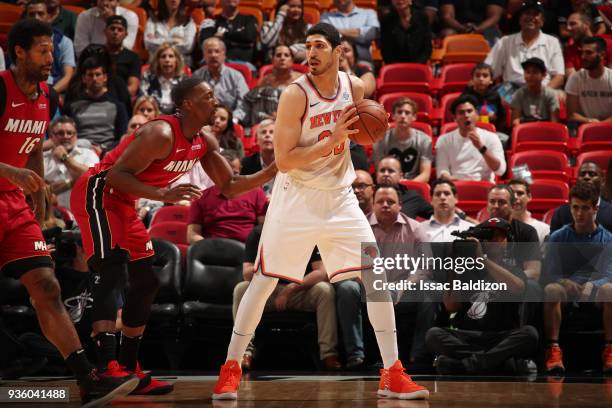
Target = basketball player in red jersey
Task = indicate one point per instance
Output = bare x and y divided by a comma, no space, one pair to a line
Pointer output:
115,239
312,205
24,116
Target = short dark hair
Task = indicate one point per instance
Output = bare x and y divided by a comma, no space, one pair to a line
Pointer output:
352,44
388,185
585,191
23,32
230,155
182,90
506,188
600,43
328,31
520,182
441,181
92,63
482,65
465,98
31,3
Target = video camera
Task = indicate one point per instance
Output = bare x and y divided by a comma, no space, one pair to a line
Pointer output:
482,234
65,243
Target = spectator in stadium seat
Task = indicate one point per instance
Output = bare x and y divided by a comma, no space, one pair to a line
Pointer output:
100,118
135,123
445,218
165,72
405,34
389,171
359,25
534,102
173,25
91,23
147,106
314,294
589,91
586,7
67,161
486,336
469,152
288,28
63,50
588,172
229,84
223,129
472,17
348,64
363,187
511,50
236,30
578,27
578,273
411,146
265,156
127,62
61,19
489,102
519,209
261,102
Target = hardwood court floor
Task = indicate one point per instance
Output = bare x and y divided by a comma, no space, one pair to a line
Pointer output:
357,391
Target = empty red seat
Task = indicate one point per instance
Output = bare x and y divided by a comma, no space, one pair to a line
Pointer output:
423,127
423,101
179,213
472,195
244,70
173,231
445,115
449,127
595,136
422,188
540,135
454,78
546,194
404,77
543,164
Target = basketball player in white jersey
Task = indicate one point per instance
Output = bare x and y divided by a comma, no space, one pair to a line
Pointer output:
312,204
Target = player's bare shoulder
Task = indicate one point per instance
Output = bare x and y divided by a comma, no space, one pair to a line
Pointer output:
292,103
157,129
358,88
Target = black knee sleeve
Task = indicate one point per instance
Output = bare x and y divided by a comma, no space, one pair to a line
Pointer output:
112,272
143,286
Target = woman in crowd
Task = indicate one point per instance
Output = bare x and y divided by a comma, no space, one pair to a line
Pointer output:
261,102
288,28
146,106
348,65
223,129
165,72
171,25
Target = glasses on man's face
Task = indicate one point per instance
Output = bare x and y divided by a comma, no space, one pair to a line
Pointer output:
361,186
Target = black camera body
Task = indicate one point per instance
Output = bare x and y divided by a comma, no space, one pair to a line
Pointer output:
482,234
65,243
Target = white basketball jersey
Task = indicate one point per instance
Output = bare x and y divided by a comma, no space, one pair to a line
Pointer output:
335,169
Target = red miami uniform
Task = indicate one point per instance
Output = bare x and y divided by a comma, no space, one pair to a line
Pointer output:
107,217
22,127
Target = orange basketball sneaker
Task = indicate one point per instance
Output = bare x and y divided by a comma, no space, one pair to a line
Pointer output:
228,382
395,383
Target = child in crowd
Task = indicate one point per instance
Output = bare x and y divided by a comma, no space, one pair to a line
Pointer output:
534,102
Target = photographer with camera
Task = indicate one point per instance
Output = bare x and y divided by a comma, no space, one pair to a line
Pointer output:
485,334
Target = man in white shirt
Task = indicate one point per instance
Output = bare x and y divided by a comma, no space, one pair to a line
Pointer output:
91,24
444,220
589,91
512,50
66,161
469,153
519,208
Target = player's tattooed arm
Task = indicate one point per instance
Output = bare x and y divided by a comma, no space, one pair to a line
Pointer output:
221,173
36,164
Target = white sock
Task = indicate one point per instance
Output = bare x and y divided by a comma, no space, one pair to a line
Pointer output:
249,314
382,318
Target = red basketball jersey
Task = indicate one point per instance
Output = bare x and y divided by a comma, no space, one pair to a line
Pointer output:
22,125
160,173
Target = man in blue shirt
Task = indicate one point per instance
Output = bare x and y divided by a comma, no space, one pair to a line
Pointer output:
580,272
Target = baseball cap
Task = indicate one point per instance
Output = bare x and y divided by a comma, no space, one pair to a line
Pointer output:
497,223
531,5
116,20
535,62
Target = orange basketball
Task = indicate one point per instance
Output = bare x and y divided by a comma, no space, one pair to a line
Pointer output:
372,123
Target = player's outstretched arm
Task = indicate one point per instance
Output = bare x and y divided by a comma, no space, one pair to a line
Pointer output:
153,142
218,169
288,129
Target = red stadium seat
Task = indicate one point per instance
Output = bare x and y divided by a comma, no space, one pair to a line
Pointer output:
449,127
601,157
422,188
311,15
445,115
423,127
462,48
595,136
482,215
179,213
543,164
547,218
266,69
424,102
540,136
454,78
244,70
472,195
546,194
173,231
404,77
9,14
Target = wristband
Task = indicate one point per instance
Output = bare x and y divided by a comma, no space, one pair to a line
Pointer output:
483,149
64,158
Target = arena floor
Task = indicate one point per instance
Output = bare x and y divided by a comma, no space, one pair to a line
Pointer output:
342,391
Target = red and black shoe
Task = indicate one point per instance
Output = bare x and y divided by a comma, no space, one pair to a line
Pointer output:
149,385
99,389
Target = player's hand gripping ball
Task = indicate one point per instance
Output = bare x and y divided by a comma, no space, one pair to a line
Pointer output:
372,124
